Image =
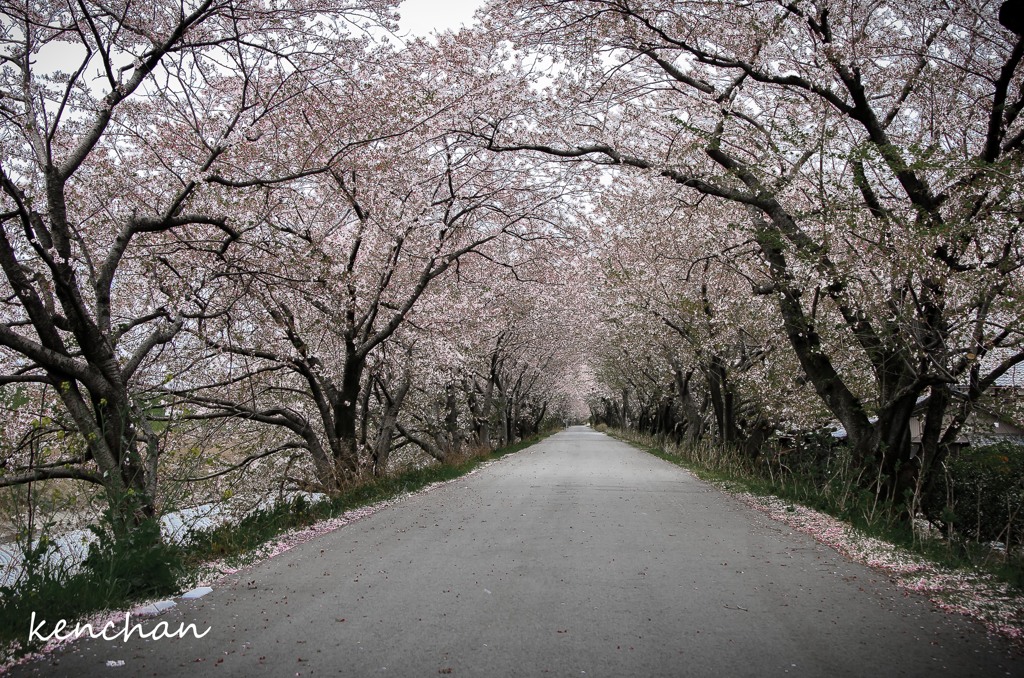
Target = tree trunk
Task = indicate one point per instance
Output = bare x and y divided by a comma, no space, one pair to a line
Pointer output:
451,421
344,405
388,424
691,415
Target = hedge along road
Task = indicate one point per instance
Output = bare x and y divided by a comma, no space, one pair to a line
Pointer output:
580,556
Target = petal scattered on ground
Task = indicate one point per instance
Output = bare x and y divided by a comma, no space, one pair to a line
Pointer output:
979,596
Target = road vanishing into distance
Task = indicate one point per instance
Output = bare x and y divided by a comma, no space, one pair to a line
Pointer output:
580,556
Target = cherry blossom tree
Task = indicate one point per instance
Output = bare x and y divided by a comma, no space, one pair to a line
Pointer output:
697,354
872,151
336,270
271,222
113,219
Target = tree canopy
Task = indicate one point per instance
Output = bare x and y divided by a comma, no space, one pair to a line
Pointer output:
244,238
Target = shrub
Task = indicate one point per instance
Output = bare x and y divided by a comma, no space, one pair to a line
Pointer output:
139,564
986,488
116,572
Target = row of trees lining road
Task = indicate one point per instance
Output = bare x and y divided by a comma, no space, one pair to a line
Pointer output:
264,240
694,354
859,167
233,229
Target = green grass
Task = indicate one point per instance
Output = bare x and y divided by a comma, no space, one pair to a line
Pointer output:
840,496
120,574
114,574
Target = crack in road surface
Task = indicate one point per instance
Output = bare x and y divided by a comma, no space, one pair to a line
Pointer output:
580,556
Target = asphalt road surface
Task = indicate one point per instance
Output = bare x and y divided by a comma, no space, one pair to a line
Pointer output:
579,556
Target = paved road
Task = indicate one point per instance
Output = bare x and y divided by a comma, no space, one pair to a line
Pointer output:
580,556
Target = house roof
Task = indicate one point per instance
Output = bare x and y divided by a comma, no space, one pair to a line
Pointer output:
1013,377
980,439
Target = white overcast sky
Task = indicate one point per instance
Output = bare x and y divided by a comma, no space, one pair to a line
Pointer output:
421,17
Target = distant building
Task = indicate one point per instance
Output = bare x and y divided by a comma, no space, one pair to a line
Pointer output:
997,417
